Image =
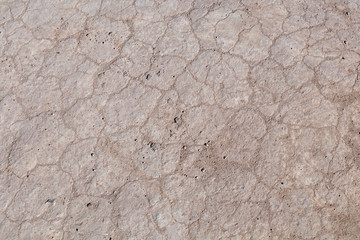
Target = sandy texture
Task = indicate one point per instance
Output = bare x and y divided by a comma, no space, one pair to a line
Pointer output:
179,119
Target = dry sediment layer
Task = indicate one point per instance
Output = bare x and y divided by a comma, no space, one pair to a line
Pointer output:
179,119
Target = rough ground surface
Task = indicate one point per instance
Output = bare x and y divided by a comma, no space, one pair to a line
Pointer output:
179,119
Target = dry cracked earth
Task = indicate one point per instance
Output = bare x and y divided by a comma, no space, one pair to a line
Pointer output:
179,119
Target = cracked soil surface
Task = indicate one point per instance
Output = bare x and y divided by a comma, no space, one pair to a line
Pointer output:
179,119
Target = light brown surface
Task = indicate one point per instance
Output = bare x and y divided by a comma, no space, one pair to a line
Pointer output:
179,119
